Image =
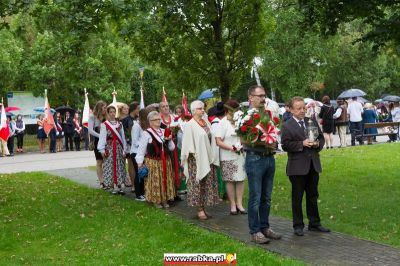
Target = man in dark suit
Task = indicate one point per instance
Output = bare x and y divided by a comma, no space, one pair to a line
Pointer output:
69,129
303,166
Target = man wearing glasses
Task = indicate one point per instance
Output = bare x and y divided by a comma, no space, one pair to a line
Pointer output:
260,170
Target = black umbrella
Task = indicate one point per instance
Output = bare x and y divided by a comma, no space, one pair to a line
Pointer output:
352,93
63,109
391,98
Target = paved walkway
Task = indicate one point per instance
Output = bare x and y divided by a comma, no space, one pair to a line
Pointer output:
314,248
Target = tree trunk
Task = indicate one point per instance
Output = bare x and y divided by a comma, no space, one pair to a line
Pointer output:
225,86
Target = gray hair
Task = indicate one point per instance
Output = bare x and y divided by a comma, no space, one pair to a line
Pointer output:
196,104
151,115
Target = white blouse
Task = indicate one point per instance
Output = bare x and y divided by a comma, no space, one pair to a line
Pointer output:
93,122
101,146
146,139
136,134
227,133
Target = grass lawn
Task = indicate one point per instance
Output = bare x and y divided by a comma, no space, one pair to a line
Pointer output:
46,220
359,191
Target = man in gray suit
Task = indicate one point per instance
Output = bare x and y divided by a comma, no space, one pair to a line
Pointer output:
303,166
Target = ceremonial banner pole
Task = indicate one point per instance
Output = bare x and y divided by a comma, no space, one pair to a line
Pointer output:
141,72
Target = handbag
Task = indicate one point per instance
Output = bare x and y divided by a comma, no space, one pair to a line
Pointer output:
143,172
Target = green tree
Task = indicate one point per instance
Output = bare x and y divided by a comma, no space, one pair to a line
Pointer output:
381,16
202,43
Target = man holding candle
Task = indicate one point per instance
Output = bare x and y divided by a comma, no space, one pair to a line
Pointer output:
303,166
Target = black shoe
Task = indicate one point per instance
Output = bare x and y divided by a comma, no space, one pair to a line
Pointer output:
319,228
233,213
298,231
178,198
242,212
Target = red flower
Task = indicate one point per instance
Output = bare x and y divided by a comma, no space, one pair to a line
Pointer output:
250,122
254,130
243,128
276,120
256,116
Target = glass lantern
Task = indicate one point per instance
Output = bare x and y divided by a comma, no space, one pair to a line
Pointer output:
311,131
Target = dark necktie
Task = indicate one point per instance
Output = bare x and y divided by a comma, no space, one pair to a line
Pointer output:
302,125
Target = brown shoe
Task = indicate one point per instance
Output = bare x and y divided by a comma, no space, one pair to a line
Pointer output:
267,232
259,238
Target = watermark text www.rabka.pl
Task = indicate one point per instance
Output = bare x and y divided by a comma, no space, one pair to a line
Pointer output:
200,258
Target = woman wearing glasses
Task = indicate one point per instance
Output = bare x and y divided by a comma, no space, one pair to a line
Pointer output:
152,151
198,158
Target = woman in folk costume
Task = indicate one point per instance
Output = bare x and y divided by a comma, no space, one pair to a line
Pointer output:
170,125
59,133
112,147
95,120
77,131
198,158
153,149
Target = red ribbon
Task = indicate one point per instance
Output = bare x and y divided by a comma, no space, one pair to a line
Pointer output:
114,144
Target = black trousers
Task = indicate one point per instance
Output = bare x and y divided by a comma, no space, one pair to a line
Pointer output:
53,140
139,184
77,140
10,144
20,141
69,142
309,184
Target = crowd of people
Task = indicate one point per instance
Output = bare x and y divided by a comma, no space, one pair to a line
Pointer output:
350,116
199,153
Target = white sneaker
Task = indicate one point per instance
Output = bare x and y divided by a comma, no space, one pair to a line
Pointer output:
141,198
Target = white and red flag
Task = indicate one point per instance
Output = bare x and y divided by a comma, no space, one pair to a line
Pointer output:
164,96
86,111
184,104
4,129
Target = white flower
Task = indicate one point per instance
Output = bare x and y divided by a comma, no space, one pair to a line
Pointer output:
247,118
237,115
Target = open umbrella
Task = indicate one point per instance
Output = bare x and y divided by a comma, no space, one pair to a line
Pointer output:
391,98
207,94
41,109
63,109
308,100
11,108
362,100
351,93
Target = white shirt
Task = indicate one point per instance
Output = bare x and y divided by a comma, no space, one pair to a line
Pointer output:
227,133
146,139
338,113
396,114
136,134
298,122
101,146
93,122
355,111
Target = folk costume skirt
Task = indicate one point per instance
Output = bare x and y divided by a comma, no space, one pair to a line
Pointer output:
204,192
158,190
